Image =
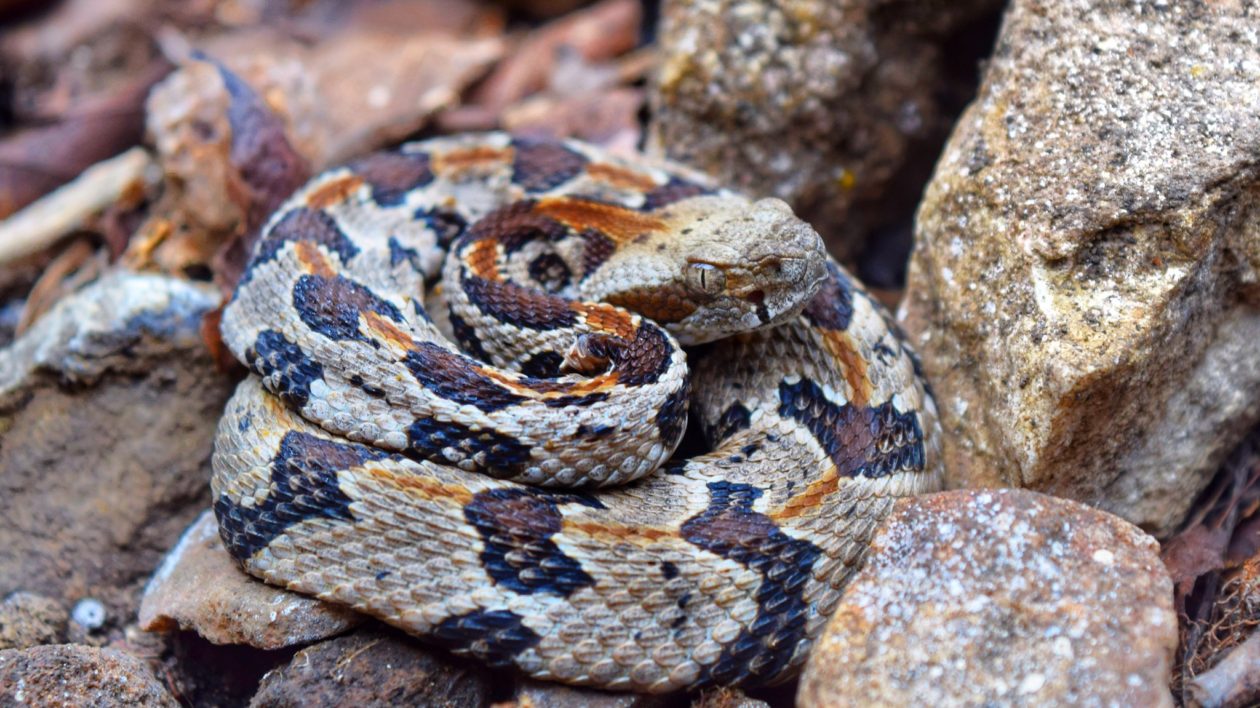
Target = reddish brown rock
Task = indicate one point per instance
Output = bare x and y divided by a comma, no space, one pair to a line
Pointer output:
27,619
108,407
200,588
75,675
1000,597
375,668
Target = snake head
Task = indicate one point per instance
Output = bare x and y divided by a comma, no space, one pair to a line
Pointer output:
737,266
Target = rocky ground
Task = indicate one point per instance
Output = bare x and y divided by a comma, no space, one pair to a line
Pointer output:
1063,198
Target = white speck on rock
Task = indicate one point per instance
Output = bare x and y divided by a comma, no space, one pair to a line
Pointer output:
1104,556
89,613
1032,683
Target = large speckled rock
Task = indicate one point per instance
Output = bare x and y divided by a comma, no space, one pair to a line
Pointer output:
1085,289
75,675
814,101
1002,597
199,587
108,407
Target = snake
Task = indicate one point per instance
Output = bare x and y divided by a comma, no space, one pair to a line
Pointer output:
589,415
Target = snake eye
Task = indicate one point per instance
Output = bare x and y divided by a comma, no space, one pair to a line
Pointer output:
705,277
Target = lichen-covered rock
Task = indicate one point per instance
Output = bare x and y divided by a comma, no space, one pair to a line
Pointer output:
370,668
27,620
999,597
200,588
108,407
75,675
813,101
1085,288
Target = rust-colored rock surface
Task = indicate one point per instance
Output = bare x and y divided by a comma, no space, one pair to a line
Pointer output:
75,675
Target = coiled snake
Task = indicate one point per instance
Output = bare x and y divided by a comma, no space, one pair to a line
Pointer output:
466,494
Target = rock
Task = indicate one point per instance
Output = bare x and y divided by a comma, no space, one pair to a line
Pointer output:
108,407
27,619
542,694
816,102
1086,280
997,597
374,668
75,675
200,588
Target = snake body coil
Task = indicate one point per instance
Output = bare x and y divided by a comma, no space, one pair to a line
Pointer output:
464,493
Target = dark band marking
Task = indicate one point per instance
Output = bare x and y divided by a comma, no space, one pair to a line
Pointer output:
514,226
539,165
580,401
731,529
597,252
832,307
284,367
671,419
550,272
543,365
735,418
399,254
303,487
466,337
676,190
595,433
303,224
645,359
855,438
516,526
669,571
496,454
333,306
517,306
456,378
392,175
448,225
359,383
495,637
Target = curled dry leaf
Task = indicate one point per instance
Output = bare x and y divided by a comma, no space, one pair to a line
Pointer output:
37,160
609,118
597,33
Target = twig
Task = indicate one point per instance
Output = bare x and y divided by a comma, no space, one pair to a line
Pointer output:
1233,681
56,214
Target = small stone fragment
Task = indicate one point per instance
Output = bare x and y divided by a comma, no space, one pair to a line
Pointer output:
374,668
987,597
75,675
28,619
200,588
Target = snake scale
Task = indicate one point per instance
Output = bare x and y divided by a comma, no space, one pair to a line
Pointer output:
468,380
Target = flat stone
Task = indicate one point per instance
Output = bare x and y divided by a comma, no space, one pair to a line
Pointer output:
76,675
200,588
108,407
1085,289
1000,597
372,667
